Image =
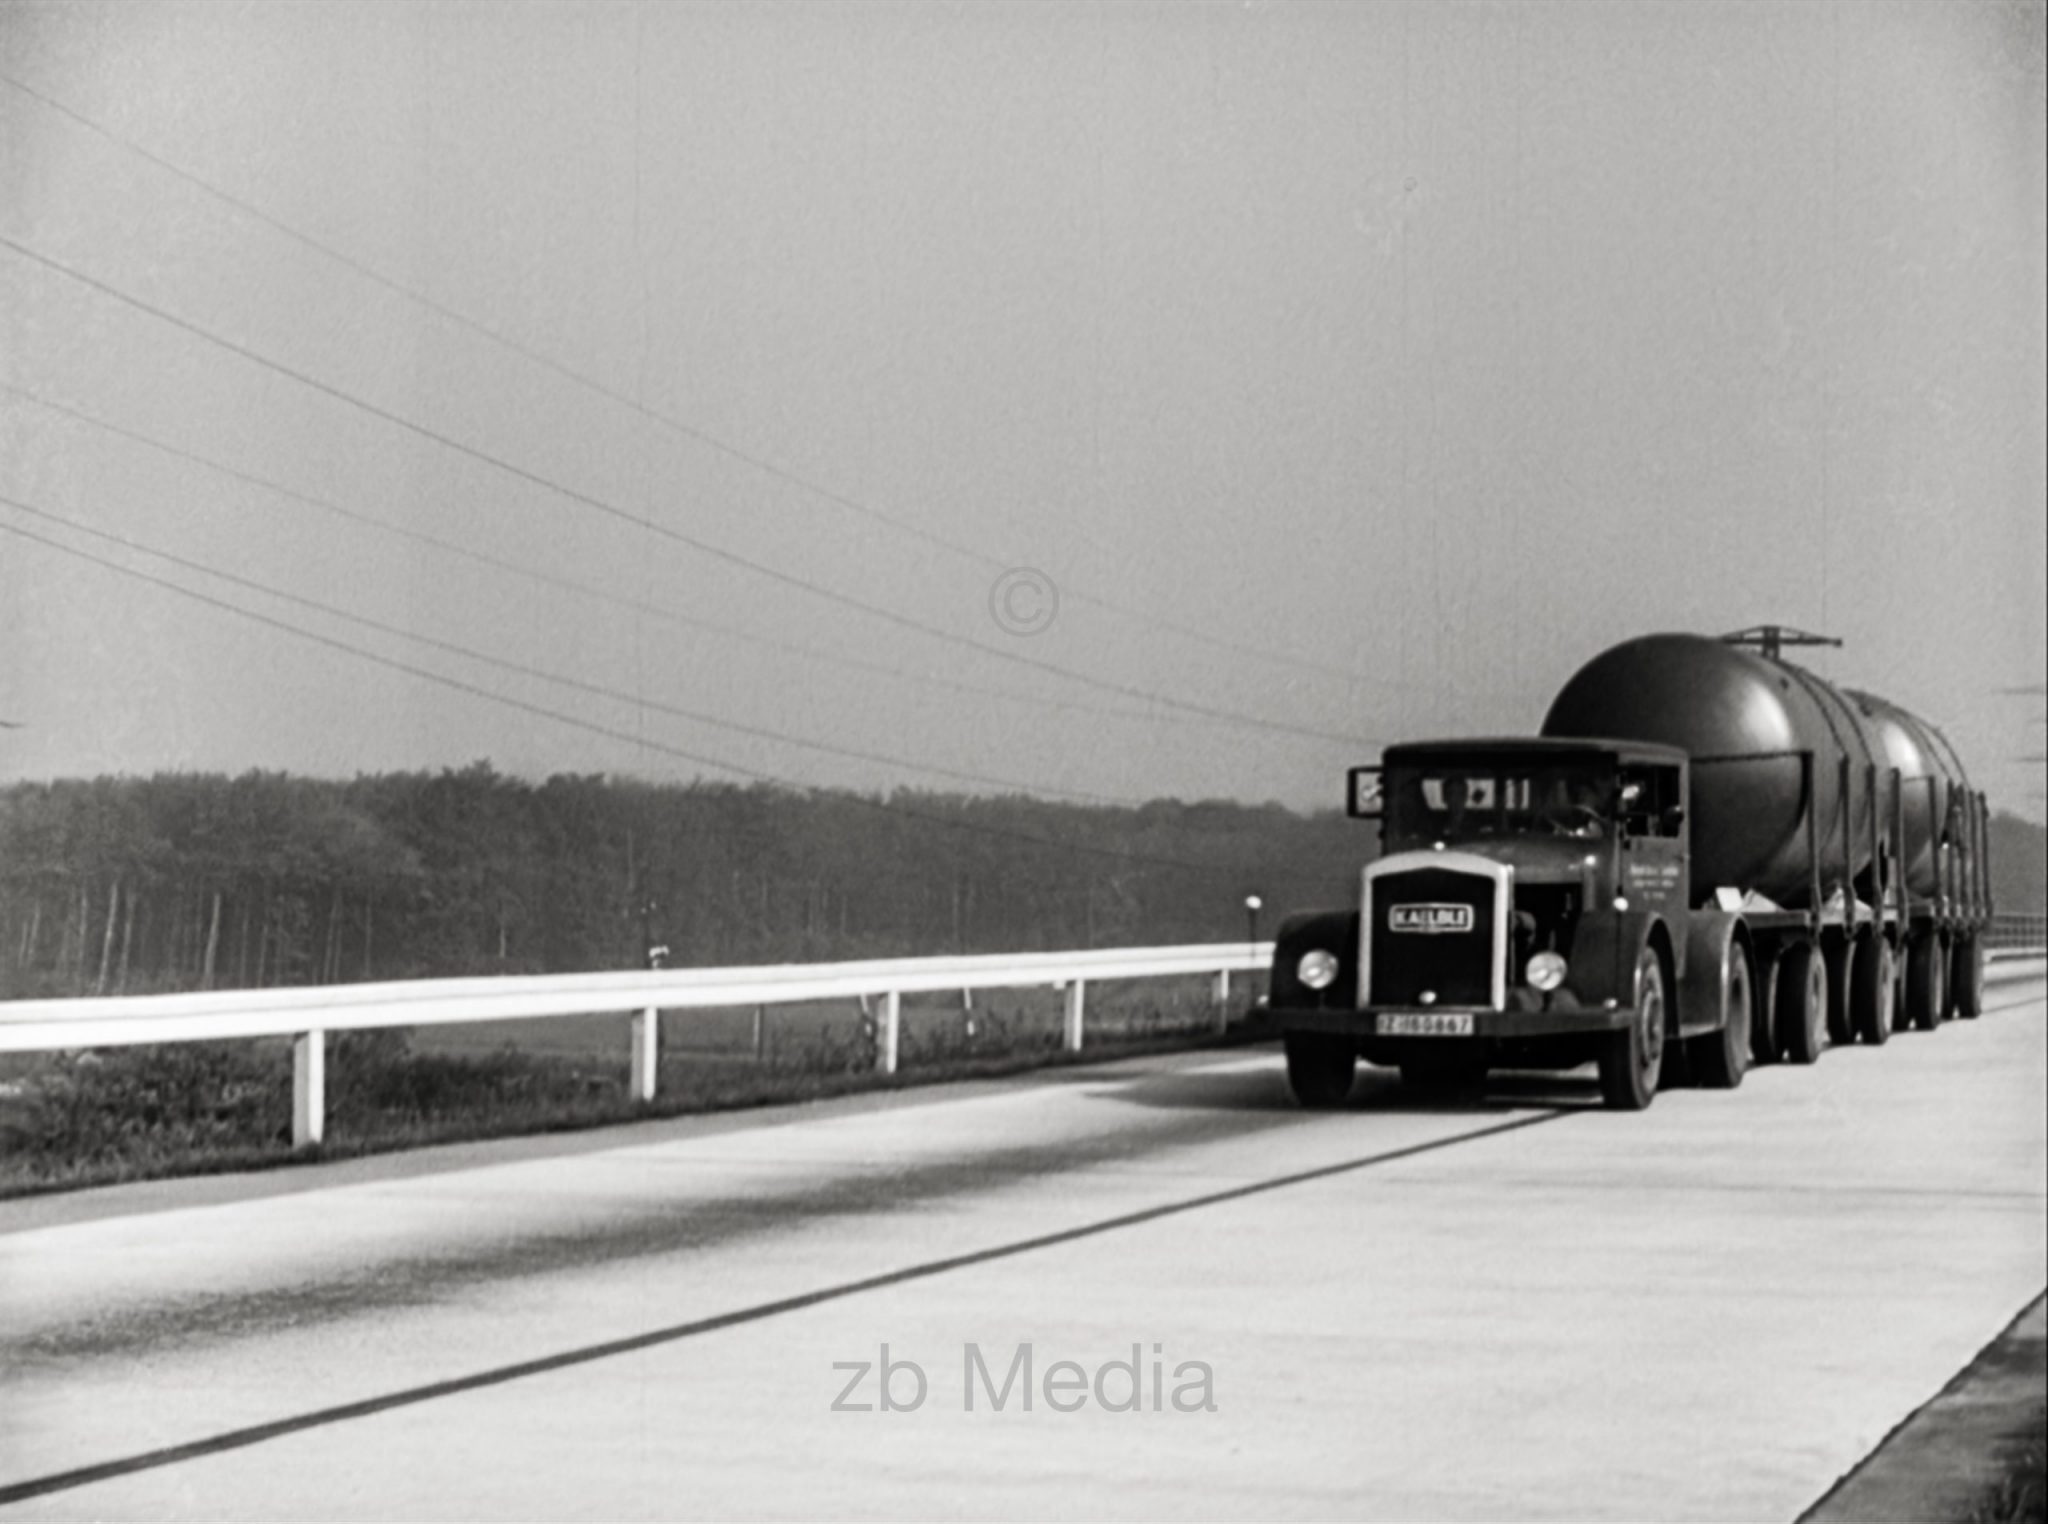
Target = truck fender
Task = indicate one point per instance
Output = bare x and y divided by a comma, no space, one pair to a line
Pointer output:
1713,940
1605,947
1334,931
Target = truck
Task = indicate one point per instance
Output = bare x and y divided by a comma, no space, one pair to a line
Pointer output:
1707,858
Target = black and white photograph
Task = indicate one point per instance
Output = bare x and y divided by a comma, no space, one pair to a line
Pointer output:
1024,759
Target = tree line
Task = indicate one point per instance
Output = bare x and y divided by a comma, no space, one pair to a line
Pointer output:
188,881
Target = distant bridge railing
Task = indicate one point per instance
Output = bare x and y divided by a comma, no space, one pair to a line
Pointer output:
308,1013
2016,936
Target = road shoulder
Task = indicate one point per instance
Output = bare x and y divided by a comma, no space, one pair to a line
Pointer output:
1950,1451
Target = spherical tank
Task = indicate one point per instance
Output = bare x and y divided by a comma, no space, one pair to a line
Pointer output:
1931,781
1745,719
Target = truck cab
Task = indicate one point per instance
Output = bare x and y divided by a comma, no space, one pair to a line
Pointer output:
1528,910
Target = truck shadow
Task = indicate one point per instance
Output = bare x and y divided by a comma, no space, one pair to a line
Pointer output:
1264,1089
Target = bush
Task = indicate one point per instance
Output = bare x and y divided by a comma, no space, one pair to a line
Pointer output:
94,1108
376,1082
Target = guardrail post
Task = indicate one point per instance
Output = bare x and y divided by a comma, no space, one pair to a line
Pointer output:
1076,1001
885,1033
646,1053
309,1089
1223,1000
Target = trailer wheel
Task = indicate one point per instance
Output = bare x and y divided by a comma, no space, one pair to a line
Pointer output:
1926,962
1631,1058
1722,1057
1320,1068
1966,978
1765,1046
1803,1002
1871,981
1839,953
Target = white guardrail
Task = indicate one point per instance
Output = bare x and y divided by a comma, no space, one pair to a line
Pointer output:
308,1013
2016,935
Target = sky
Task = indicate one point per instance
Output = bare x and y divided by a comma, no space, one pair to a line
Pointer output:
1105,401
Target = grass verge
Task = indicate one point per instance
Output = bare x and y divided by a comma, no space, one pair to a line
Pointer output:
2020,1495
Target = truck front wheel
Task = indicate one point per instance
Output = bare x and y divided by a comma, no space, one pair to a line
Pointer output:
1630,1059
1320,1068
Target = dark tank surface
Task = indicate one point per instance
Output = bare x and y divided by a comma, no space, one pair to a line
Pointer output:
1932,776
1745,719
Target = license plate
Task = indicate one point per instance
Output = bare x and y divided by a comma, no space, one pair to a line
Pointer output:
1425,1024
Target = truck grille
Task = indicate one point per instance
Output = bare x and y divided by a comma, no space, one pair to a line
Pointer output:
1432,930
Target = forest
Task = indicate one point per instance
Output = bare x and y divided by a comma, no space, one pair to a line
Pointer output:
191,881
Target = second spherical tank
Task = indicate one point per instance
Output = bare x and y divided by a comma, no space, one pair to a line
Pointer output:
1932,784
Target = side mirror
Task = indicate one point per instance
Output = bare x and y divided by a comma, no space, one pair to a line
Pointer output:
1673,817
1365,798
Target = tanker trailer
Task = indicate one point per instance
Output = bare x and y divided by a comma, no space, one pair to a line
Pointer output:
1709,857
1812,798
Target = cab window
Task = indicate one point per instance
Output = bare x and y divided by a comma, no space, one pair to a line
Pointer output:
1460,803
1649,797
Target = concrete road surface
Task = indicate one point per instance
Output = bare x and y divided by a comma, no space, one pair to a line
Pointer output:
1522,1307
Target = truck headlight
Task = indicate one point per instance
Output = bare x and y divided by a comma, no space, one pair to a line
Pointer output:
1545,971
1317,969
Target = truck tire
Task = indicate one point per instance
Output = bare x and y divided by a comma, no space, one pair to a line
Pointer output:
1966,978
1445,1074
1721,1058
1802,1002
1839,954
1320,1068
1765,1046
1631,1058
1871,981
1926,964
1675,1071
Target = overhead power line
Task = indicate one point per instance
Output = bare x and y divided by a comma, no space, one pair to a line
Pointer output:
705,547
701,759
674,425
586,590
521,669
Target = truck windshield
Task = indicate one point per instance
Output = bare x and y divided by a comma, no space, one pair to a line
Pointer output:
1461,801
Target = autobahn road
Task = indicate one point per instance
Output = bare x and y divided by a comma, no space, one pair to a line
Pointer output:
1519,1307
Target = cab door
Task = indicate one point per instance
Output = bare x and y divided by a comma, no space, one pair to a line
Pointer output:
1652,823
